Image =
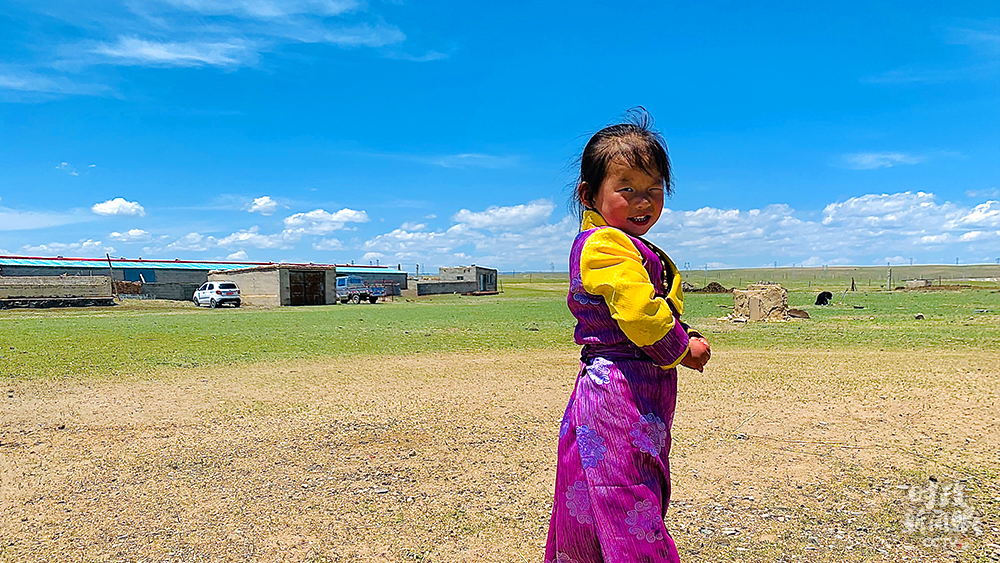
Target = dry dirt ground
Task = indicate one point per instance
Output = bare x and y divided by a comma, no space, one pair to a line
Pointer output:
806,456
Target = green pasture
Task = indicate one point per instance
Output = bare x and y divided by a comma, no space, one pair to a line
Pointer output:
140,339
830,278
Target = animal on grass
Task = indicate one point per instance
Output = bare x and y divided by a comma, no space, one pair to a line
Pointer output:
824,298
612,477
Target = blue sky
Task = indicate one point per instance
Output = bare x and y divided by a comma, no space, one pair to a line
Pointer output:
445,133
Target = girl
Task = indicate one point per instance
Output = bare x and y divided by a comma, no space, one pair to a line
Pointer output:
613,476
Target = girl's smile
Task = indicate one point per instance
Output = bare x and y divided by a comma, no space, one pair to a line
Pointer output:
629,198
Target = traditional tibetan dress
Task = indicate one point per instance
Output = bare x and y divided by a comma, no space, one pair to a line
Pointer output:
613,473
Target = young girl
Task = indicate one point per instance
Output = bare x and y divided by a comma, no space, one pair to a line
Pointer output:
613,475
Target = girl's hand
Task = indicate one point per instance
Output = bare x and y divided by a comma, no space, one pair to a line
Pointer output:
698,354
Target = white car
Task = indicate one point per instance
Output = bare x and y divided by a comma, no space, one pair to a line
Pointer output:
215,293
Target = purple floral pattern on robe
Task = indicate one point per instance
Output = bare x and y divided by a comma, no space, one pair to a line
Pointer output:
581,296
561,557
645,522
563,427
599,370
578,503
649,434
592,448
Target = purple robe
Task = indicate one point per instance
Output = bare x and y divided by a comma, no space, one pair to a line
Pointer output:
613,474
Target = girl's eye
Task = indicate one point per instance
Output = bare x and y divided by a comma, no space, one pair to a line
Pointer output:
625,189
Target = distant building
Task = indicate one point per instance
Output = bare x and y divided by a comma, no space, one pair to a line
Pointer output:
276,285
179,279
462,279
163,279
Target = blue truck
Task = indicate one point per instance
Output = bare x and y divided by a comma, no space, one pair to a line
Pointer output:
354,290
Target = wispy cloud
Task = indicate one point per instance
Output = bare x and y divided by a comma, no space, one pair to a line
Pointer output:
460,160
472,160
21,220
429,56
931,75
194,33
984,193
874,160
28,86
136,51
979,62
265,9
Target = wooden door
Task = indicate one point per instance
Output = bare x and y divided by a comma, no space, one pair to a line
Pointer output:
297,288
315,288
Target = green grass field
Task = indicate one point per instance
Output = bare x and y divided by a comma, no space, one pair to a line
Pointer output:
159,431
138,339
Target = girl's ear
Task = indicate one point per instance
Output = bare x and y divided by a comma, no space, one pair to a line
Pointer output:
583,195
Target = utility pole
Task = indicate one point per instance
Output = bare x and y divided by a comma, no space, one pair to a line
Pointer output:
112,271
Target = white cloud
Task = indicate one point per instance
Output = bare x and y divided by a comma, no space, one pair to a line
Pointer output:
136,51
983,215
193,242
82,248
372,256
132,235
858,230
252,237
461,243
4,252
328,244
238,255
853,231
525,215
321,222
119,206
873,160
263,205
413,226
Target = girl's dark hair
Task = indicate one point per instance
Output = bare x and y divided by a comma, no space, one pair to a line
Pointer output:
634,142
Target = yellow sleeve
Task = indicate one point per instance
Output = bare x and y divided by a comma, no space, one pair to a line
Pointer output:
611,266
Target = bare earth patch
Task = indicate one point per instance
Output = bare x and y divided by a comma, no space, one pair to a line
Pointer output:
803,456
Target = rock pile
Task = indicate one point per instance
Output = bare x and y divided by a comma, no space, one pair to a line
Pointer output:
128,288
760,302
713,287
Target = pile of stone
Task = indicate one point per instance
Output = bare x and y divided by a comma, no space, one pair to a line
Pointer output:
128,288
713,287
760,302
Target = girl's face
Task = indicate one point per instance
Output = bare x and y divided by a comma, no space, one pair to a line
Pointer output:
629,198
